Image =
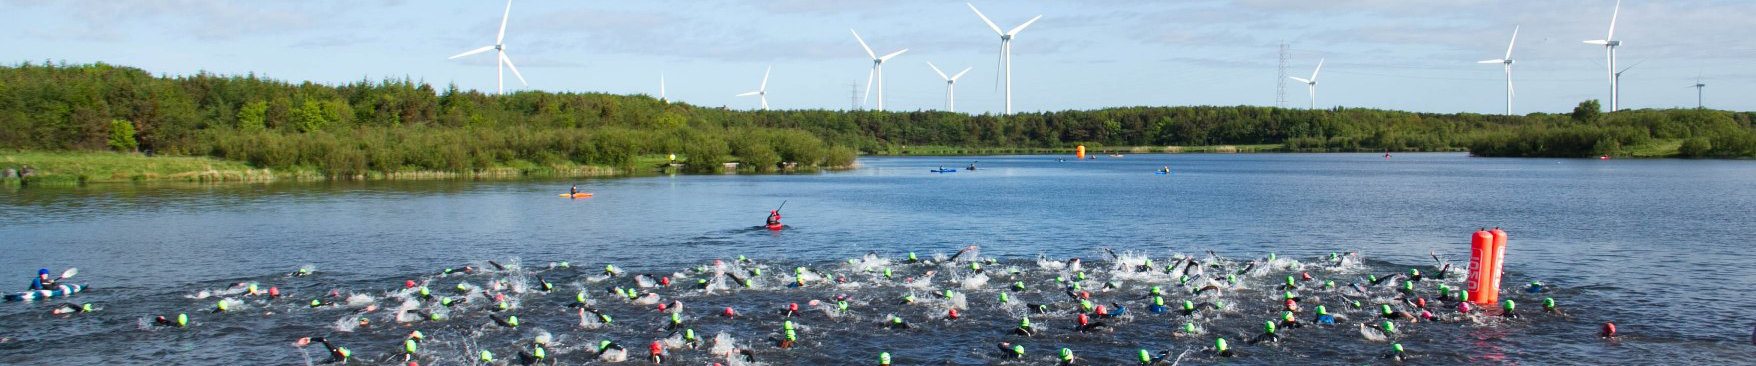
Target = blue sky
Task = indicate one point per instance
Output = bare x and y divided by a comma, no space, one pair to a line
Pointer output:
1397,54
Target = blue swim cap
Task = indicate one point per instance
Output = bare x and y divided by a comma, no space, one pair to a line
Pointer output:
43,271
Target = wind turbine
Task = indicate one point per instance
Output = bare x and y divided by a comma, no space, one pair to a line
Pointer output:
950,86
1698,87
1508,63
499,47
877,69
1005,50
761,92
662,88
1609,42
1312,82
1616,79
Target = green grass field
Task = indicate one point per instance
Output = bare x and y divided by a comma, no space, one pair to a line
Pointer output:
74,167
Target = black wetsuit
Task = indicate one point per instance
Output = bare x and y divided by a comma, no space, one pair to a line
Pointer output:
335,354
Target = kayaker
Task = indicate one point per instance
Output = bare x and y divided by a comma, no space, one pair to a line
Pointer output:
773,217
573,191
42,282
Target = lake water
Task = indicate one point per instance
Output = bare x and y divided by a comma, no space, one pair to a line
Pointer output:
1660,247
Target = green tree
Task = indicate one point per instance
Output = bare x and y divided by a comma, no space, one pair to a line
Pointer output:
253,116
310,117
1587,111
122,136
1695,147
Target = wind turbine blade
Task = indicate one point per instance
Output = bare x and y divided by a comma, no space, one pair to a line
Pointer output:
1021,27
892,54
472,52
1598,42
936,71
501,39
747,94
765,79
1318,70
960,73
1302,80
869,52
1491,61
868,95
1510,44
996,28
1613,15
1000,65
509,65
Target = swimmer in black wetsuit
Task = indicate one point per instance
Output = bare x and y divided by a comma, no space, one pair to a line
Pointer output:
336,354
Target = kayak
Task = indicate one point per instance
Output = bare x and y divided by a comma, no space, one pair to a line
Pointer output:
1161,173
63,291
944,170
576,195
775,227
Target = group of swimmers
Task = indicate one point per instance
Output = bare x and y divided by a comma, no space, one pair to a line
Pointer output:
1411,301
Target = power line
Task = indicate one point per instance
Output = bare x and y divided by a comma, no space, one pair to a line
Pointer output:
1280,88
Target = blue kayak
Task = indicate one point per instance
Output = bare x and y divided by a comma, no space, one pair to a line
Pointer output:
944,170
61,291
1161,173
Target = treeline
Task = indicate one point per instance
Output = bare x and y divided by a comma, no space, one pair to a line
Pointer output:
392,125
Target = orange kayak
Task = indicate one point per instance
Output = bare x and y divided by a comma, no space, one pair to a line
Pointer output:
576,195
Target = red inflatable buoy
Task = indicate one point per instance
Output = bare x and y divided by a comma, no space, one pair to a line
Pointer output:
1481,258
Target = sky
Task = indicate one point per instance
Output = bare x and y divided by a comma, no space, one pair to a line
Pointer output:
1415,55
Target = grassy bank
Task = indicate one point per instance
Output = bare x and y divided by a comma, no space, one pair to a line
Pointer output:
82,167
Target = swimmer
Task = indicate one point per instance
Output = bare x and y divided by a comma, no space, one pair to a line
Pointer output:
1323,317
607,348
534,356
181,321
510,321
1010,350
1066,356
1396,353
1158,305
1549,307
1147,359
1386,312
657,352
1086,325
412,344
1024,328
789,335
70,308
1535,287
336,354
1221,349
1269,334
1507,309
896,322
1608,331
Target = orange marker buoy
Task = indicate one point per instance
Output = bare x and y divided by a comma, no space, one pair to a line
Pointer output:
1481,257
1492,293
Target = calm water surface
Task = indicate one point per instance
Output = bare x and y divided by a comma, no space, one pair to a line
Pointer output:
1661,247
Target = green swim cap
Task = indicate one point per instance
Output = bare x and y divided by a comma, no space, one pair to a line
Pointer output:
1414,272
1396,347
512,320
911,256
1085,304
444,301
843,305
1286,316
1024,322
1059,279
487,356
345,353
1548,303
757,271
1004,298
1157,291
741,258
424,292
1271,257
605,318
884,357
1268,326
1329,283
409,346
1333,256
1290,282
434,317
1066,354
1145,357
85,308
1233,279
1219,344
1508,305
1018,349
948,293
1188,305
1148,262
1322,310
1408,285
973,266
605,344
252,287
788,325
580,297
502,305
908,298
609,268
462,288
316,303
887,272
791,336
689,334
1384,309
1158,300
538,352
1077,287
1388,327
564,264
798,270
676,319
222,305
1080,275
1189,327
895,320
1371,278
1463,296
1289,295
1184,279
182,320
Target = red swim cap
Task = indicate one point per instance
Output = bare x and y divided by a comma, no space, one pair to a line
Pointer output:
1463,307
1292,305
729,312
1421,302
408,284
665,281
1305,276
1102,311
274,291
1083,320
953,313
657,349
661,307
793,307
1084,294
1609,330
